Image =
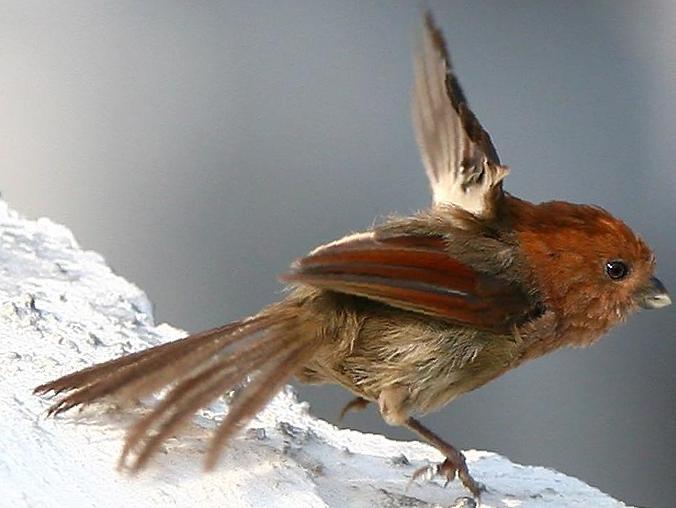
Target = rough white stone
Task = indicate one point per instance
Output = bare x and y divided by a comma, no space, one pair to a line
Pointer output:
63,309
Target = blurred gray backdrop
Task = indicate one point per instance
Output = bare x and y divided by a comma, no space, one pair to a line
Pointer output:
202,147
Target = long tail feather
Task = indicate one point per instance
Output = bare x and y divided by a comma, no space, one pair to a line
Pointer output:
241,339
97,372
261,390
188,396
199,368
153,367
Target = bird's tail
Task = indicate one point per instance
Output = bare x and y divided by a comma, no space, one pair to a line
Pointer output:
269,347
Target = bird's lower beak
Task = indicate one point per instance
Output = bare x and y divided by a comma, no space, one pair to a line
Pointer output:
654,296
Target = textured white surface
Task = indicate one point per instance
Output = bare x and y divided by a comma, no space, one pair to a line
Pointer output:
63,309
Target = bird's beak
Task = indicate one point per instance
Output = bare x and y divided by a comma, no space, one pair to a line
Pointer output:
654,296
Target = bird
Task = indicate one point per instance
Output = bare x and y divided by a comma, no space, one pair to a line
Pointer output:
412,313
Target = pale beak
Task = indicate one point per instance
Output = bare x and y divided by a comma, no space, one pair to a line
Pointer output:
654,296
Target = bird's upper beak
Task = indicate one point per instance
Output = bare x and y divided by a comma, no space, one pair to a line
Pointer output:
654,296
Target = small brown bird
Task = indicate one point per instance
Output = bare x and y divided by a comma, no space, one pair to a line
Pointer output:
411,314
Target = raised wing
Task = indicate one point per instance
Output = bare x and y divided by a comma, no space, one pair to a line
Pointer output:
459,157
413,273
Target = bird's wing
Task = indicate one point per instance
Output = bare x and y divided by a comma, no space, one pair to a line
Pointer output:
413,273
459,157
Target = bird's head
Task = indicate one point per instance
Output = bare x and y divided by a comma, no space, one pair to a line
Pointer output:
591,267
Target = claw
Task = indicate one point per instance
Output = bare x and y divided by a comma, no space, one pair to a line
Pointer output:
426,472
450,476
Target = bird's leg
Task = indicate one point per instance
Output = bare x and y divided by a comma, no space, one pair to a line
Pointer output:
356,404
392,404
454,463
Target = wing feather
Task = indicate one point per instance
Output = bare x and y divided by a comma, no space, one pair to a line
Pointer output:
461,162
413,273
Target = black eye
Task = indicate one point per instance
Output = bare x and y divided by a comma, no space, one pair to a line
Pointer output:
617,270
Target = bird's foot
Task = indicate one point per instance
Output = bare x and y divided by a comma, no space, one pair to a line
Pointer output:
450,470
356,404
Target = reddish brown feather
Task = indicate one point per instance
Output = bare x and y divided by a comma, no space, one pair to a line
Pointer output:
414,273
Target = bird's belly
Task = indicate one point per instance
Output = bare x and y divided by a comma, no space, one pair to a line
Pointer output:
435,362
451,381
375,348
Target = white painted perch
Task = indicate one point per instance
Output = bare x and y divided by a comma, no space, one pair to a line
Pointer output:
64,309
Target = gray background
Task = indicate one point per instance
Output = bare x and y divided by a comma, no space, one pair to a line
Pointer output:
201,148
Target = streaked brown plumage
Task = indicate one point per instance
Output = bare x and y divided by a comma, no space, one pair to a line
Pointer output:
411,314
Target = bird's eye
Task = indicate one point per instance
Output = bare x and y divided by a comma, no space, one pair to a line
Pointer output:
617,270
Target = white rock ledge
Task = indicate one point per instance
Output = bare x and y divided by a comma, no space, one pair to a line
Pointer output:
63,309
